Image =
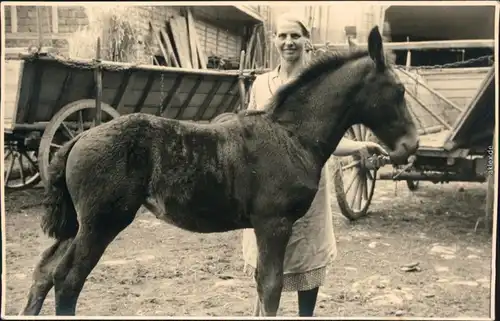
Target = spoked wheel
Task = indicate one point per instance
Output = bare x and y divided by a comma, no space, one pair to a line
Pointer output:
20,170
354,183
412,185
222,117
70,121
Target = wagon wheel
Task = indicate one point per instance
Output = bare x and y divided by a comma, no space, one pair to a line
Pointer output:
412,185
58,131
222,117
21,171
354,183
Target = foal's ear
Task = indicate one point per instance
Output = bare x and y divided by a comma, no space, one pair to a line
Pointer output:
376,48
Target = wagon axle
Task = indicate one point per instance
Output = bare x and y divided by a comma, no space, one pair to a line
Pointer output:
434,177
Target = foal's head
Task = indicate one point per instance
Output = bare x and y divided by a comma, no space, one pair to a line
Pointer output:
381,104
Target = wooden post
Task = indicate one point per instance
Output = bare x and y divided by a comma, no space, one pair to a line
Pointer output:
13,19
55,19
98,83
39,27
241,81
408,56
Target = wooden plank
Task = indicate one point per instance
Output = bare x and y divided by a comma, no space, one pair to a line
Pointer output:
233,104
27,73
423,84
208,100
67,83
430,111
127,83
166,56
12,92
170,95
199,50
145,92
464,117
169,47
420,45
13,20
35,94
179,37
55,19
190,96
192,39
225,102
250,47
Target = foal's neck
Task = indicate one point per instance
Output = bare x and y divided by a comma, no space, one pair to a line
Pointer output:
319,112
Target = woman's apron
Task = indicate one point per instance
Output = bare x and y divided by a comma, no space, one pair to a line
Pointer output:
312,244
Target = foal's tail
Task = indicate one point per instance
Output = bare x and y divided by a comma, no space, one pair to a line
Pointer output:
59,220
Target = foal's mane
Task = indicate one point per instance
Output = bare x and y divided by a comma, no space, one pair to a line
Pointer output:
318,67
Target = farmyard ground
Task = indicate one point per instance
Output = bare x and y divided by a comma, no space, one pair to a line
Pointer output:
158,270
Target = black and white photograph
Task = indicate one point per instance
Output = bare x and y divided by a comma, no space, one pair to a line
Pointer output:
249,159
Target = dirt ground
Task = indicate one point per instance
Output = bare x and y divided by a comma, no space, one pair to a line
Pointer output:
157,270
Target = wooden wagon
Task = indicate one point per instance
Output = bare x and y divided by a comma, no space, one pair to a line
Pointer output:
49,100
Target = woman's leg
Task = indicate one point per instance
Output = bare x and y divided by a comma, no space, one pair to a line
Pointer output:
307,302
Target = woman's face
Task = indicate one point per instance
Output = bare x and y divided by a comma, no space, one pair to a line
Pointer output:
289,40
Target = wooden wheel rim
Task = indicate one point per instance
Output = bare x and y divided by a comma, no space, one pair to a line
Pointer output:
44,150
222,117
18,156
354,185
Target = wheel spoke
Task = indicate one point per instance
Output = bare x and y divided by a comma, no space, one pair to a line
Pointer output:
350,165
350,133
357,132
21,168
369,175
363,131
66,128
359,195
80,121
32,163
368,134
11,167
365,188
6,156
353,197
352,178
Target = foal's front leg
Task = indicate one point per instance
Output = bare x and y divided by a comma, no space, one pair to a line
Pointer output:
272,236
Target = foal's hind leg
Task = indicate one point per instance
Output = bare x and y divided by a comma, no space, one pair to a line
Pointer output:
43,277
272,238
83,255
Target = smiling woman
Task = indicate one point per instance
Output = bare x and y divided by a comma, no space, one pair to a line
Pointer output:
312,244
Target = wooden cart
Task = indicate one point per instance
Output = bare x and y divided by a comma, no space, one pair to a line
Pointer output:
458,151
49,100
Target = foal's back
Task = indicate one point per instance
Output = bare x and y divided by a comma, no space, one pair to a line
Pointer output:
203,178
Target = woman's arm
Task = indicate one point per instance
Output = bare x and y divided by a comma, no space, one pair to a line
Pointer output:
348,147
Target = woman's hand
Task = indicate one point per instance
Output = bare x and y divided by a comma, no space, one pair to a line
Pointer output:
367,149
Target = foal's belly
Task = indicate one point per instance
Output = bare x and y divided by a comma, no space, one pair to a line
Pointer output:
196,218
